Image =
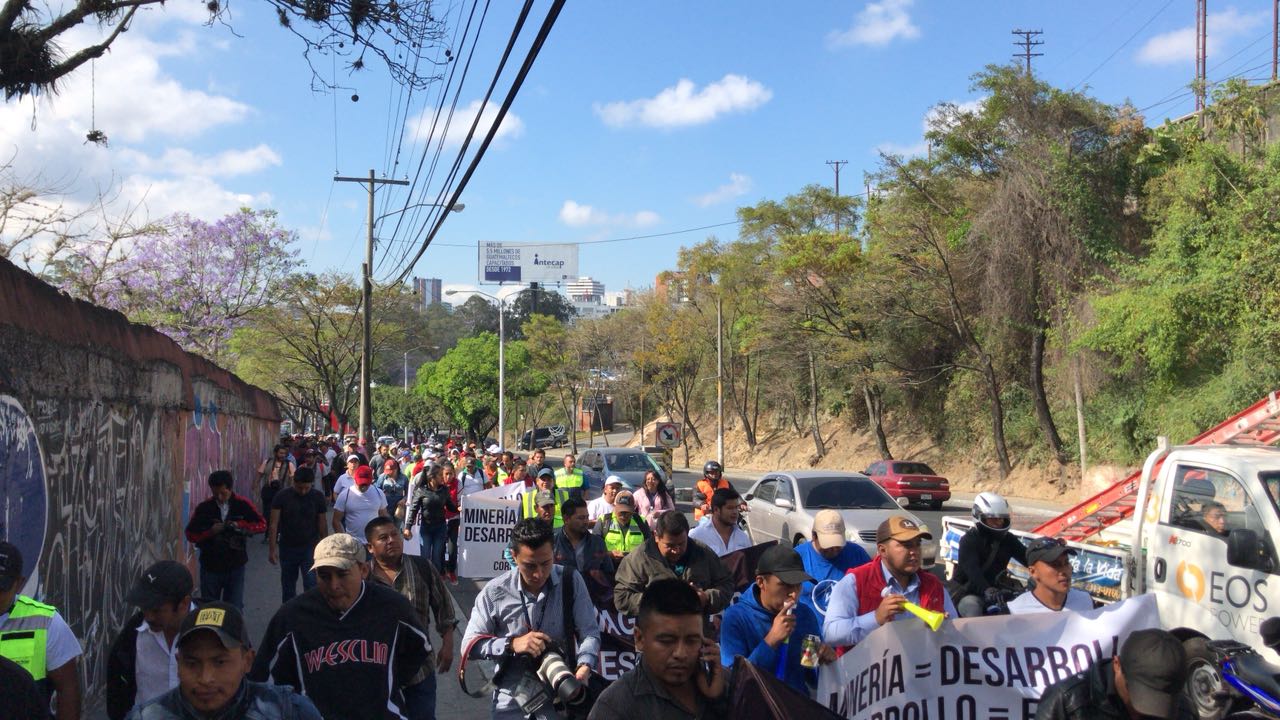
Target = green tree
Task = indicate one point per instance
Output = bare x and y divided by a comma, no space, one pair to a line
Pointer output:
465,381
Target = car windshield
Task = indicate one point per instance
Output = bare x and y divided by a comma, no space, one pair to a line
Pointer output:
629,462
912,468
844,493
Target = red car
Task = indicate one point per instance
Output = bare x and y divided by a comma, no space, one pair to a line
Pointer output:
915,481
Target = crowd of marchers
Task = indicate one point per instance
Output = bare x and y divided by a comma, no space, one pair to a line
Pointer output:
373,626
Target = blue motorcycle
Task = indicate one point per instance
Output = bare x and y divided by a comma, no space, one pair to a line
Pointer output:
1250,685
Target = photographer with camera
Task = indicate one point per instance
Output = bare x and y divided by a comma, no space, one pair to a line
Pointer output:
219,527
536,621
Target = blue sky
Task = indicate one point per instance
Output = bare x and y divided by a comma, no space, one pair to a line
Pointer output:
638,118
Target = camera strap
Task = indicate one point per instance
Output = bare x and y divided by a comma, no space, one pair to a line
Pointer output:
566,602
488,685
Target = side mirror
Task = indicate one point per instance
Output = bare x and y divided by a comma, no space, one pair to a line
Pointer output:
903,502
1243,548
746,497
784,503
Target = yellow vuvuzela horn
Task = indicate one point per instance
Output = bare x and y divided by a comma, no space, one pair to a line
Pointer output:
930,618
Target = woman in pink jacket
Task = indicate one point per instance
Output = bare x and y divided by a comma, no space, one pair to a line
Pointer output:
653,499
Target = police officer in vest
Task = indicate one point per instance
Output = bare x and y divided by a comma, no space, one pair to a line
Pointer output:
570,476
35,636
623,530
529,498
872,594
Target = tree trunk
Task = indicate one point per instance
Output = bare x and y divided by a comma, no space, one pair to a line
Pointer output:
1043,414
818,446
997,417
875,416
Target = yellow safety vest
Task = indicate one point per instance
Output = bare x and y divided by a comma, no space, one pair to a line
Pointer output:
569,481
529,510
24,636
501,477
617,539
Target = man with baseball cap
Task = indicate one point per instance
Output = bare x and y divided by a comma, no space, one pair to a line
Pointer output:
359,504
768,625
34,635
143,660
348,478
871,595
350,645
1145,681
603,505
214,656
827,557
545,482
622,529
1049,562
545,506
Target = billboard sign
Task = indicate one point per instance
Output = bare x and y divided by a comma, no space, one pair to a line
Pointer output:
502,262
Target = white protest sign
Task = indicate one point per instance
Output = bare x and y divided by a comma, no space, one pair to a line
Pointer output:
487,519
994,667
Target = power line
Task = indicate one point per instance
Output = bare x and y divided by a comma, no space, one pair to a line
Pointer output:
1124,44
517,83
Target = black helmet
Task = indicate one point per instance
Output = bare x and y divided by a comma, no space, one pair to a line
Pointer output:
710,467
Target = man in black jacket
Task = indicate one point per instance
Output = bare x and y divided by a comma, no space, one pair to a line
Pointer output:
985,550
1145,681
349,645
142,663
219,527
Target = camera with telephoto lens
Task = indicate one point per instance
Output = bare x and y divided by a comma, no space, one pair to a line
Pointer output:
536,684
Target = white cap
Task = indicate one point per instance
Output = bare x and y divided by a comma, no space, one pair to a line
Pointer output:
494,449
615,480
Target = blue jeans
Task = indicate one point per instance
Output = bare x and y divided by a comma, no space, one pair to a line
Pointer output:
433,542
451,561
225,586
420,699
295,561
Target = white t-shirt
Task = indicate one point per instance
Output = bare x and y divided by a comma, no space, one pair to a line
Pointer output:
707,534
156,664
343,482
598,508
60,645
360,508
471,483
1027,602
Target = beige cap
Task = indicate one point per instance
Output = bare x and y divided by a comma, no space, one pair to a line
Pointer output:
339,550
828,525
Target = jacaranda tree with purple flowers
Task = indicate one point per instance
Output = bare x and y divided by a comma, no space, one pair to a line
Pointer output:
200,281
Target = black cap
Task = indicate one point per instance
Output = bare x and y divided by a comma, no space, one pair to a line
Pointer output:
1047,549
219,618
1154,667
165,581
10,565
783,563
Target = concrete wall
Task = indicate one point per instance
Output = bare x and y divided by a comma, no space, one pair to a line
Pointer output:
108,432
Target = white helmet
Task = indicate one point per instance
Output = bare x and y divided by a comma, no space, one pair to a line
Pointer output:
989,505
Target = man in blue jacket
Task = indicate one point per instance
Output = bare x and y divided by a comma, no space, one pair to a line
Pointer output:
768,626
827,557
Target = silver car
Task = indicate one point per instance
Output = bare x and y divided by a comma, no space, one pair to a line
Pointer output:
630,464
781,506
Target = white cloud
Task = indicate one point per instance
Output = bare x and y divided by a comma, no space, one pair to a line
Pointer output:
737,186
1180,45
183,162
576,214
422,126
684,104
877,25
934,119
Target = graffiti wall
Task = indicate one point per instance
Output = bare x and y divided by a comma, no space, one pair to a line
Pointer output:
108,432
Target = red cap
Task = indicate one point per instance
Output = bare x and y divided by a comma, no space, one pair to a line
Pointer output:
364,475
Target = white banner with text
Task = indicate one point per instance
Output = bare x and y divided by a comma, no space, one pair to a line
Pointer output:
991,668
487,519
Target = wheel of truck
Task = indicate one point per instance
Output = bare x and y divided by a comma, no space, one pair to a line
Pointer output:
1204,682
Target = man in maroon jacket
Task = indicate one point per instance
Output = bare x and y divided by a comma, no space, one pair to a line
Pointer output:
219,527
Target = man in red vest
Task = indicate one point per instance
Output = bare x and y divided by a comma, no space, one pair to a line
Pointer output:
872,594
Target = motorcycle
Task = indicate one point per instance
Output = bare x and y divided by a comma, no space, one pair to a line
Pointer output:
1232,681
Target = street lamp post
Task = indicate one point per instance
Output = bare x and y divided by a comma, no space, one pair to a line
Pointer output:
502,364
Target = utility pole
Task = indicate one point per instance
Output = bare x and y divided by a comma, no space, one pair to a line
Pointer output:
836,165
1275,38
1202,52
1026,43
366,302
719,379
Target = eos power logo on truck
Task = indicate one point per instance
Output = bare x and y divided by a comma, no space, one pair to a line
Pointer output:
1236,591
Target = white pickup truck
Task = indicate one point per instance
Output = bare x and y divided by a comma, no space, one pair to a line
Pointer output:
1215,579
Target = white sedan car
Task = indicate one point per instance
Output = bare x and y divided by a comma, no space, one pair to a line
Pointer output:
781,506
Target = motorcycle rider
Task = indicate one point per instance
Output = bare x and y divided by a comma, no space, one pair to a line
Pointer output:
711,481
985,551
